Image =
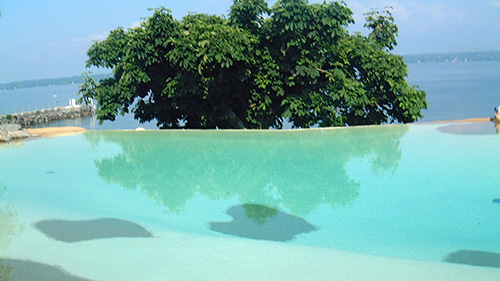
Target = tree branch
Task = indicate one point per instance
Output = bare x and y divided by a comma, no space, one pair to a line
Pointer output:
324,71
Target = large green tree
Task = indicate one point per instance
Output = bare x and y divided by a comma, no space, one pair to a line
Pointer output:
256,68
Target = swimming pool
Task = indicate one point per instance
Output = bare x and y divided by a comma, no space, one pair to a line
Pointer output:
403,202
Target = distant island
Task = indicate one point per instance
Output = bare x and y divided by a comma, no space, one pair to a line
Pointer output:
48,82
422,58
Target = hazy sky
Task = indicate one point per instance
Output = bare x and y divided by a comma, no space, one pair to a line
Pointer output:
49,38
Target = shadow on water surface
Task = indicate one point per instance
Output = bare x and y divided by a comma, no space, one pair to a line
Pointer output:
84,230
22,270
292,170
263,223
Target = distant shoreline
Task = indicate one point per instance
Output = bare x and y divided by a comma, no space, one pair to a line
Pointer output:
418,58
453,57
48,82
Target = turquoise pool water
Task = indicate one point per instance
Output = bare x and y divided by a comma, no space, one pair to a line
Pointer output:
150,204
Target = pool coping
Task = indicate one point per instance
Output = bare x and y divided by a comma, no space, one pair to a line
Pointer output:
48,132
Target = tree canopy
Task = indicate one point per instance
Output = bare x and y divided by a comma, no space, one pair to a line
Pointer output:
256,68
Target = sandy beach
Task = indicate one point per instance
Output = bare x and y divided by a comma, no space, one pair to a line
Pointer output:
470,120
55,131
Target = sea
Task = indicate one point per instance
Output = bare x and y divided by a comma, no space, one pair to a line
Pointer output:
458,90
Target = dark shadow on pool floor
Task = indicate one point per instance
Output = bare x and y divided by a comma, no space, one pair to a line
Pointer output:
478,258
83,230
263,223
22,270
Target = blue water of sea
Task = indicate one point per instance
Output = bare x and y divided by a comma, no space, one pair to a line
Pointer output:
458,90
454,91
37,98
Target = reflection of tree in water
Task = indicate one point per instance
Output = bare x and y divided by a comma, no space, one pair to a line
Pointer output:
259,214
9,230
4,271
263,223
12,145
9,225
296,170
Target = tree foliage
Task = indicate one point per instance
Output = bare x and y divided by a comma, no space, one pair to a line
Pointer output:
257,68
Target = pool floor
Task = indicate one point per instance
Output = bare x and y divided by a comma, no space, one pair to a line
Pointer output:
370,203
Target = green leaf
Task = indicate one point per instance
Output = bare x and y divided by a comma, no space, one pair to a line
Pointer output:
259,66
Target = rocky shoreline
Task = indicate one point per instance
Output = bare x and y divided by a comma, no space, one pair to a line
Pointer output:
31,118
9,132
12,126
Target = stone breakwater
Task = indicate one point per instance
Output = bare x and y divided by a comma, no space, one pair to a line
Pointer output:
31,118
